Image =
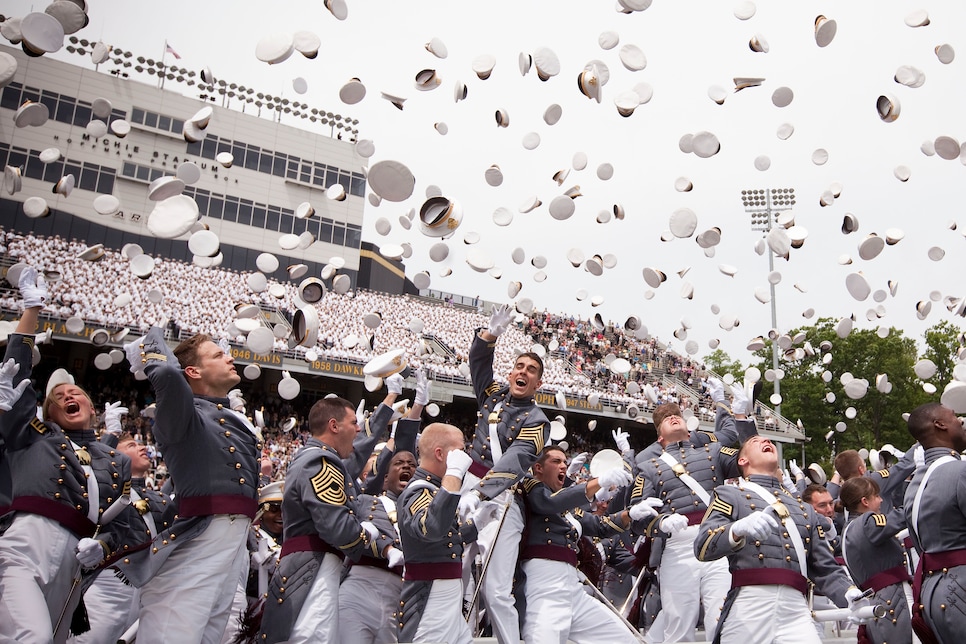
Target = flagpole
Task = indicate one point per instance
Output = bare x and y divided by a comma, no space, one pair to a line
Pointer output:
163,54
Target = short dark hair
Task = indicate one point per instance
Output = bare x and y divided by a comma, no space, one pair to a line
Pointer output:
811,491
325,410
847,464
546,453
187,351
663,411
532,356
921,419
855,489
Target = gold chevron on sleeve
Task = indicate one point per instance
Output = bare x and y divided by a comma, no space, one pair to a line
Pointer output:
711,436
718,505
492,388
529,484
533,435
329,484
729,451
638,490
880,520
421,502
38,425
884,473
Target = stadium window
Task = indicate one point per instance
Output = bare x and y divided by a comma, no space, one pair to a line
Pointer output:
82,115
88,178
164,122
150,119
137,115
338,235
65,112
105,182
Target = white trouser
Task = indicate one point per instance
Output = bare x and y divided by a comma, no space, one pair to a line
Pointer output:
37,566
769,615
318,621
190,598
498,582
686,584
442,618
239,606
368,601
112,606
557,609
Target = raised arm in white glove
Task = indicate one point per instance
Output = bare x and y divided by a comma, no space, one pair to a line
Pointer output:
33,288
500,319
112,417
796,470
755,526
577,464
673,523
457,462
394,384
605,494
423,387
645,509
90,552
617,477
620,438
8,393
742,402
236,401
361,413
716,390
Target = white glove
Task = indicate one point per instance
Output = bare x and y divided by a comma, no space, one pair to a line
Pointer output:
787,481
90,552
422,388
33,289
395,557
394,384
898,453
919,456
857,599
620,437
796,470
617,477
742,402
755,526
370,529
133,352
605,494
457,462
601,551
112,417
500,319
645,509
673,524
468,505
8,393
235,400
577,463
716,390
639,543
361,413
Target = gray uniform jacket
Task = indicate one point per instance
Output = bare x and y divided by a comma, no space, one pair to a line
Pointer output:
522,427
211,452
877,560
432,538
319,516
46,471
709,466
890,481
776,551
941,529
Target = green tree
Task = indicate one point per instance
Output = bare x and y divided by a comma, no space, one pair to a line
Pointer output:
942,342
721,363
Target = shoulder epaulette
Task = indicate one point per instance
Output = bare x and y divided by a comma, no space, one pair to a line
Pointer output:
729,451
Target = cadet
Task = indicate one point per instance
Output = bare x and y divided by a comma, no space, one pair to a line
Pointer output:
212,454
934,508
774,546
62,480
322,527
433,536
510,433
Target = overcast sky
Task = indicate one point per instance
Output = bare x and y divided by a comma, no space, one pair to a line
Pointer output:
690,46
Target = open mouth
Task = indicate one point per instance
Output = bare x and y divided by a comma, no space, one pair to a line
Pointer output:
767,447
405,476
520,382
72,407
561,477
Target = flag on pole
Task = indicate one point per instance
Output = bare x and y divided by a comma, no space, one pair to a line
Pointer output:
168,49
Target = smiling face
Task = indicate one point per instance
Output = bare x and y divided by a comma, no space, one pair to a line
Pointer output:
551,469
137,453
70,407
824,505
758,455
525,377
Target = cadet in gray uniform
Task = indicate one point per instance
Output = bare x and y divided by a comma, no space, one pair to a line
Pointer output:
683,476
369,594
935,509
557,608
770,564
62,480
849,464
322,526
510,433
112,602
212,453
433,537
877,560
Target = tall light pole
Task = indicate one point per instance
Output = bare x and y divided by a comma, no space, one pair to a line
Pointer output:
764,205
